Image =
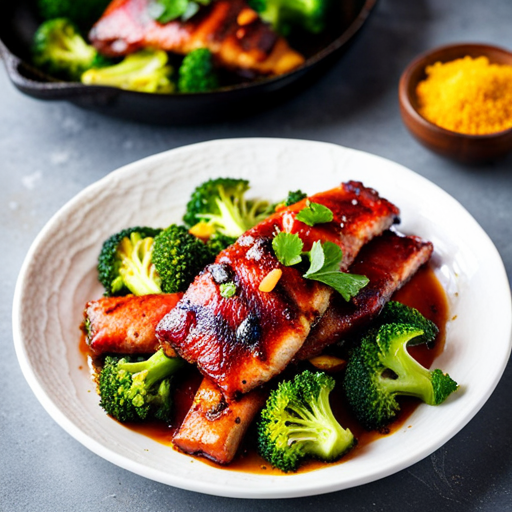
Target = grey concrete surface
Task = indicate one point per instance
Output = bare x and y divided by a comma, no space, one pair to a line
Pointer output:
51,151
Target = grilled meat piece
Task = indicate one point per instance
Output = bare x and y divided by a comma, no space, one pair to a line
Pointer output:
230,29
389,261
126,325
214,425
243,341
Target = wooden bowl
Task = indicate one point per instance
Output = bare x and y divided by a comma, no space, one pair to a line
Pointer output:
462,147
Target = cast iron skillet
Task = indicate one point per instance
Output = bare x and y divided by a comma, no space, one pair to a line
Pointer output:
19,21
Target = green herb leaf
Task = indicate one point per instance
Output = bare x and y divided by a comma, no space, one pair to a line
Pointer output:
315,213
165,11
227,290
288,248
325,268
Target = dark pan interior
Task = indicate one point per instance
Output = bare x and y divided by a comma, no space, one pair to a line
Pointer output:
20,20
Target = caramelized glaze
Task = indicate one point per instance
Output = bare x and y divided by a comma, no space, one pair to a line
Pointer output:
243,341
423,292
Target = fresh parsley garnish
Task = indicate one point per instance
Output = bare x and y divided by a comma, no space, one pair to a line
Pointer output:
325,260
227,290
315,213
288,248
325,267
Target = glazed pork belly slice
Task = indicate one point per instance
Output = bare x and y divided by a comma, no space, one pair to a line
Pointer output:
214,426
230,29
243,341
388,261
126,325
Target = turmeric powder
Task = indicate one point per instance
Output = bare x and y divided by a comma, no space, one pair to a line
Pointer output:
467,95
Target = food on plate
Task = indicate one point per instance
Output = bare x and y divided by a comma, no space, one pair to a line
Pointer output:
297,422
223,205
178,256
124,263
133,390
126,324
330,264
389,261
214,426
370,391
468,95
243,341
167,46
142,260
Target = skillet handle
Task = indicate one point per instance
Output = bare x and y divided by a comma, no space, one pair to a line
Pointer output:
38,85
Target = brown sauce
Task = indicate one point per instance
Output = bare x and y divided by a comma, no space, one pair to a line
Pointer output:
423,292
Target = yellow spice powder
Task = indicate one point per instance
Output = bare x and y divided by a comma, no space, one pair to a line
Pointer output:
467,96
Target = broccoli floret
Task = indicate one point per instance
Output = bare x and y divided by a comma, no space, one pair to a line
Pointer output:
144,71
83,13
178,257
381,368
197,72
222,203
297,422
398,313
287,15
295,197
218,242
138,390
59,50
124,263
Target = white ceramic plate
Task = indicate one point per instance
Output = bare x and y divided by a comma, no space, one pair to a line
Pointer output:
60,267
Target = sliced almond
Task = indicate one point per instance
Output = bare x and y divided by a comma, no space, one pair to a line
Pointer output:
330,364
268,283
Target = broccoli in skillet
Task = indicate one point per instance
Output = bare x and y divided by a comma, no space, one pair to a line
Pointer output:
59,50
178,257
167,10
381,368
138,390
297,422
125,265
287,15
83,13
222,203
143,71
197,73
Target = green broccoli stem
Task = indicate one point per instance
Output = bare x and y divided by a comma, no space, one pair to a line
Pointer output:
413,378
231,217
156,368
